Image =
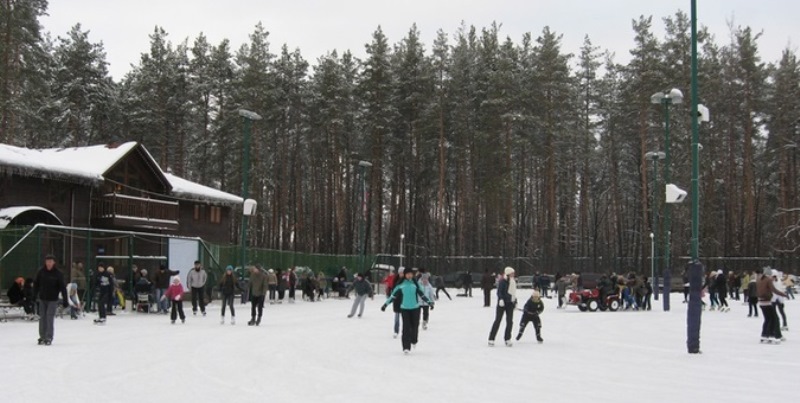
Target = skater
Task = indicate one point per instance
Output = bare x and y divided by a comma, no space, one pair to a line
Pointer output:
291,279
228,285
685,279
648,294
467,283
258,289
530,313
788,284
363,290
175,294
409,309
427,291
770,330
487,283
438,281
48,284
506,299
397,301
74,301
777,300
114,288
722,291
161,281
389,281
322,286
561,290
196,280
105,286
272,284
340,280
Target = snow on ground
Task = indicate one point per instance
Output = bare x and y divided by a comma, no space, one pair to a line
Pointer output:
312,352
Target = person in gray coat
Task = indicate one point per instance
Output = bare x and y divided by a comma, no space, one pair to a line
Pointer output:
196,280
363,290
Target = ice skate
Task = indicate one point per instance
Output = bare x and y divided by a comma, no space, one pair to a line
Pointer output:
99,321
491,343
222,321
519,336
233,320
406,351
539,339
251,322
509,343
424,325
258,321
394,336
40,341
204,314
172,322
48,342
785,328
183,321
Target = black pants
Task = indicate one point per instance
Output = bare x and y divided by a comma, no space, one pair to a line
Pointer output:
537,324
410,327
425,313
197,298
722,299
257,304
273,289
445,292
771,327
508,311
291,292
487,297
753,306
228,300
177,310
467,290
646,302
102,303
685,293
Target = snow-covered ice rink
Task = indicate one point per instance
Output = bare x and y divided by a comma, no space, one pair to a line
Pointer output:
311,352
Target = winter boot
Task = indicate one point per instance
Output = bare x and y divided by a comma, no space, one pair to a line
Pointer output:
539,336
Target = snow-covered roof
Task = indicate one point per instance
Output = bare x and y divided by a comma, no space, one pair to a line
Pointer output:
90,163
78,162
8,214
183,187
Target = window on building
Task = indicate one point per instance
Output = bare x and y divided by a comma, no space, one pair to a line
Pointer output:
199,212
216,214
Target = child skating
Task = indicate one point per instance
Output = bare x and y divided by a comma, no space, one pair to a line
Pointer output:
530,313
175,294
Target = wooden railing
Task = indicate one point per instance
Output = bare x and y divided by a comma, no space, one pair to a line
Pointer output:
117,207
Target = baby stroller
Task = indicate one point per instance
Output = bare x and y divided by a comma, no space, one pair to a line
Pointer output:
143,301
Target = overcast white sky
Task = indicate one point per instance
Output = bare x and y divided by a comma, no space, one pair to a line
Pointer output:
319,26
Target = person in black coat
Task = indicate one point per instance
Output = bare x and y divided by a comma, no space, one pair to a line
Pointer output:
721,283
104,282
228,285
530,313
48,285
487,283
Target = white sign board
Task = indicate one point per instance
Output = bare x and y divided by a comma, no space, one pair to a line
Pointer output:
182,254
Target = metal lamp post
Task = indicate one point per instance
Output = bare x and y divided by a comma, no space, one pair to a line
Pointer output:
674,96
248,117
694,311
402,237
654,156
362,241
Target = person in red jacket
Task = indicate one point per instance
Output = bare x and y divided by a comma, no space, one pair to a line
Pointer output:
175,294
389,281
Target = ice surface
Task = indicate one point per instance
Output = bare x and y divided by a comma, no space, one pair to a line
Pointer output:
308,352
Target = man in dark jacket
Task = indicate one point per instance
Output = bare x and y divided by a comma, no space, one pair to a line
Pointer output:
258,289
48,284
105,289
487,283
161,281
467,282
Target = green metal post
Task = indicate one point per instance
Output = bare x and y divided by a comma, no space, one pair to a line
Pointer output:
130,265
694,312
87,294
655,227
245,186
362,247
667,177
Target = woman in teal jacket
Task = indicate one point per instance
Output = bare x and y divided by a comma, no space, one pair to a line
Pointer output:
409,308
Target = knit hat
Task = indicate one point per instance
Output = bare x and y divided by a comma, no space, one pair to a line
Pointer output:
176,280
143,272
401,270
508,270
229,268
110,269
271,271
535,294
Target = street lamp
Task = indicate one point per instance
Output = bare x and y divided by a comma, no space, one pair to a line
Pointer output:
674,96
362,242
402,237
654,156
249,204
694,312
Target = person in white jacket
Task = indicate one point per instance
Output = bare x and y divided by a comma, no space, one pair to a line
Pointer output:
427,291
778,300
196,280
74,300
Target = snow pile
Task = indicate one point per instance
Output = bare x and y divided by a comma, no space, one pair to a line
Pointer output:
312,352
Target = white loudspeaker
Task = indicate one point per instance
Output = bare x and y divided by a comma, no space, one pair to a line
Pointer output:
250,207
675,194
